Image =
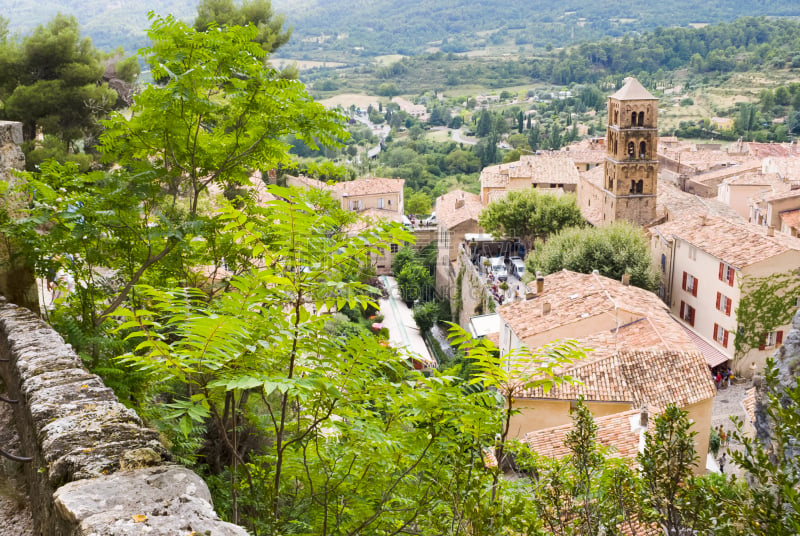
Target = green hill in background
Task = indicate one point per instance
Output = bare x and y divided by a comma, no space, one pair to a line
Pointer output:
327,28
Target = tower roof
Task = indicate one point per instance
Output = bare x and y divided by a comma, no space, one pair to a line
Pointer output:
632,90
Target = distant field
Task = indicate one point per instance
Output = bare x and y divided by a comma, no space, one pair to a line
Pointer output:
304,65
438,135
388,59
346,99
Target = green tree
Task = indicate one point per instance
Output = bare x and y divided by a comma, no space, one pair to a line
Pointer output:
418,203
673,498
259,13
52,82
613,250
530,214
415,282
766,304
426,315
771,465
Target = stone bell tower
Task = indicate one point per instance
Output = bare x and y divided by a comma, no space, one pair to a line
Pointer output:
631,166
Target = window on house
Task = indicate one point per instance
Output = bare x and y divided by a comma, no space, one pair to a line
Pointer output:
631,149
389,202
663,263
633,119
394,248
726,272
693,253
721,335
642,150
772,339
687,313
640,122
690,283
380,202
724,303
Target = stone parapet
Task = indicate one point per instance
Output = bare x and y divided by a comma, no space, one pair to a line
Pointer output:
96,469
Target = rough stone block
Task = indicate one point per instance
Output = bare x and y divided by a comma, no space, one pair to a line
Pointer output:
160,501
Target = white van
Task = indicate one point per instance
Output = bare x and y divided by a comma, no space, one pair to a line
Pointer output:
498,268
516,266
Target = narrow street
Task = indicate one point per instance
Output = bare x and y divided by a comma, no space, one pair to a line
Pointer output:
403,331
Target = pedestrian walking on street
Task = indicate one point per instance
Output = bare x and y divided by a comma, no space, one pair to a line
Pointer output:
722,463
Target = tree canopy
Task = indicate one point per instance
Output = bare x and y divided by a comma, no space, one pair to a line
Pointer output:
51,80
530,214
259,13
613,250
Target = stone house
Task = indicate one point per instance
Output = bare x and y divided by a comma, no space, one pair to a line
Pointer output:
457,214
554,171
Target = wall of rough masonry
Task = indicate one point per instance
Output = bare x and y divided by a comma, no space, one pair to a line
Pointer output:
96,469
17,282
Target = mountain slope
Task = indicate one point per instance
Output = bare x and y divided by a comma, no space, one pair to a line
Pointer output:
371,27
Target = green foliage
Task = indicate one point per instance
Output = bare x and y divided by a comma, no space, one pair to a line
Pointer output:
530,214
613,250
259,13
415,282
773,468
426,315
51,80
418,203
766,303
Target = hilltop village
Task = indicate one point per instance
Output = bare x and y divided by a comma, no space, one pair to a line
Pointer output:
715,218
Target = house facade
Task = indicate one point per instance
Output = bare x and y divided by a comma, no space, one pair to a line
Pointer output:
705,262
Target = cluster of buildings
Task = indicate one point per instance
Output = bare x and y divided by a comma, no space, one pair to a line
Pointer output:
715,217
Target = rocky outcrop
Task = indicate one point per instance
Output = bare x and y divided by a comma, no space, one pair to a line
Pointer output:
96,470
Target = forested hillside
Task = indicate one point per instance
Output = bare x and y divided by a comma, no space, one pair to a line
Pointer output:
372,27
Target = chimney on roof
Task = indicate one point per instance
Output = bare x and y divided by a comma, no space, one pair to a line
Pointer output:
460,200
626,279
595,272
703,219
530,295
546,308
539,283
771,231
644,417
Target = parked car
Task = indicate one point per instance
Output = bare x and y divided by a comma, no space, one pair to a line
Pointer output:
430,220
498,268
516,267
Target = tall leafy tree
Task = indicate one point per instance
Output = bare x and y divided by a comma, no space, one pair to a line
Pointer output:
613,250
530,214
270,34
51,80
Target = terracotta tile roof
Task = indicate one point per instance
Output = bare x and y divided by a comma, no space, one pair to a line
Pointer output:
677,204
369,186
768,180
728,171
301,181
791,218
545,168
694,161
739,245
632,90
586,156
764,150
621,431
640,377
457,207
573,297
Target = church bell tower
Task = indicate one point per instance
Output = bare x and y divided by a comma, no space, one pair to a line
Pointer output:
631,166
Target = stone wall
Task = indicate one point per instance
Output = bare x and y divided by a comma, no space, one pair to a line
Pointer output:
96,469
